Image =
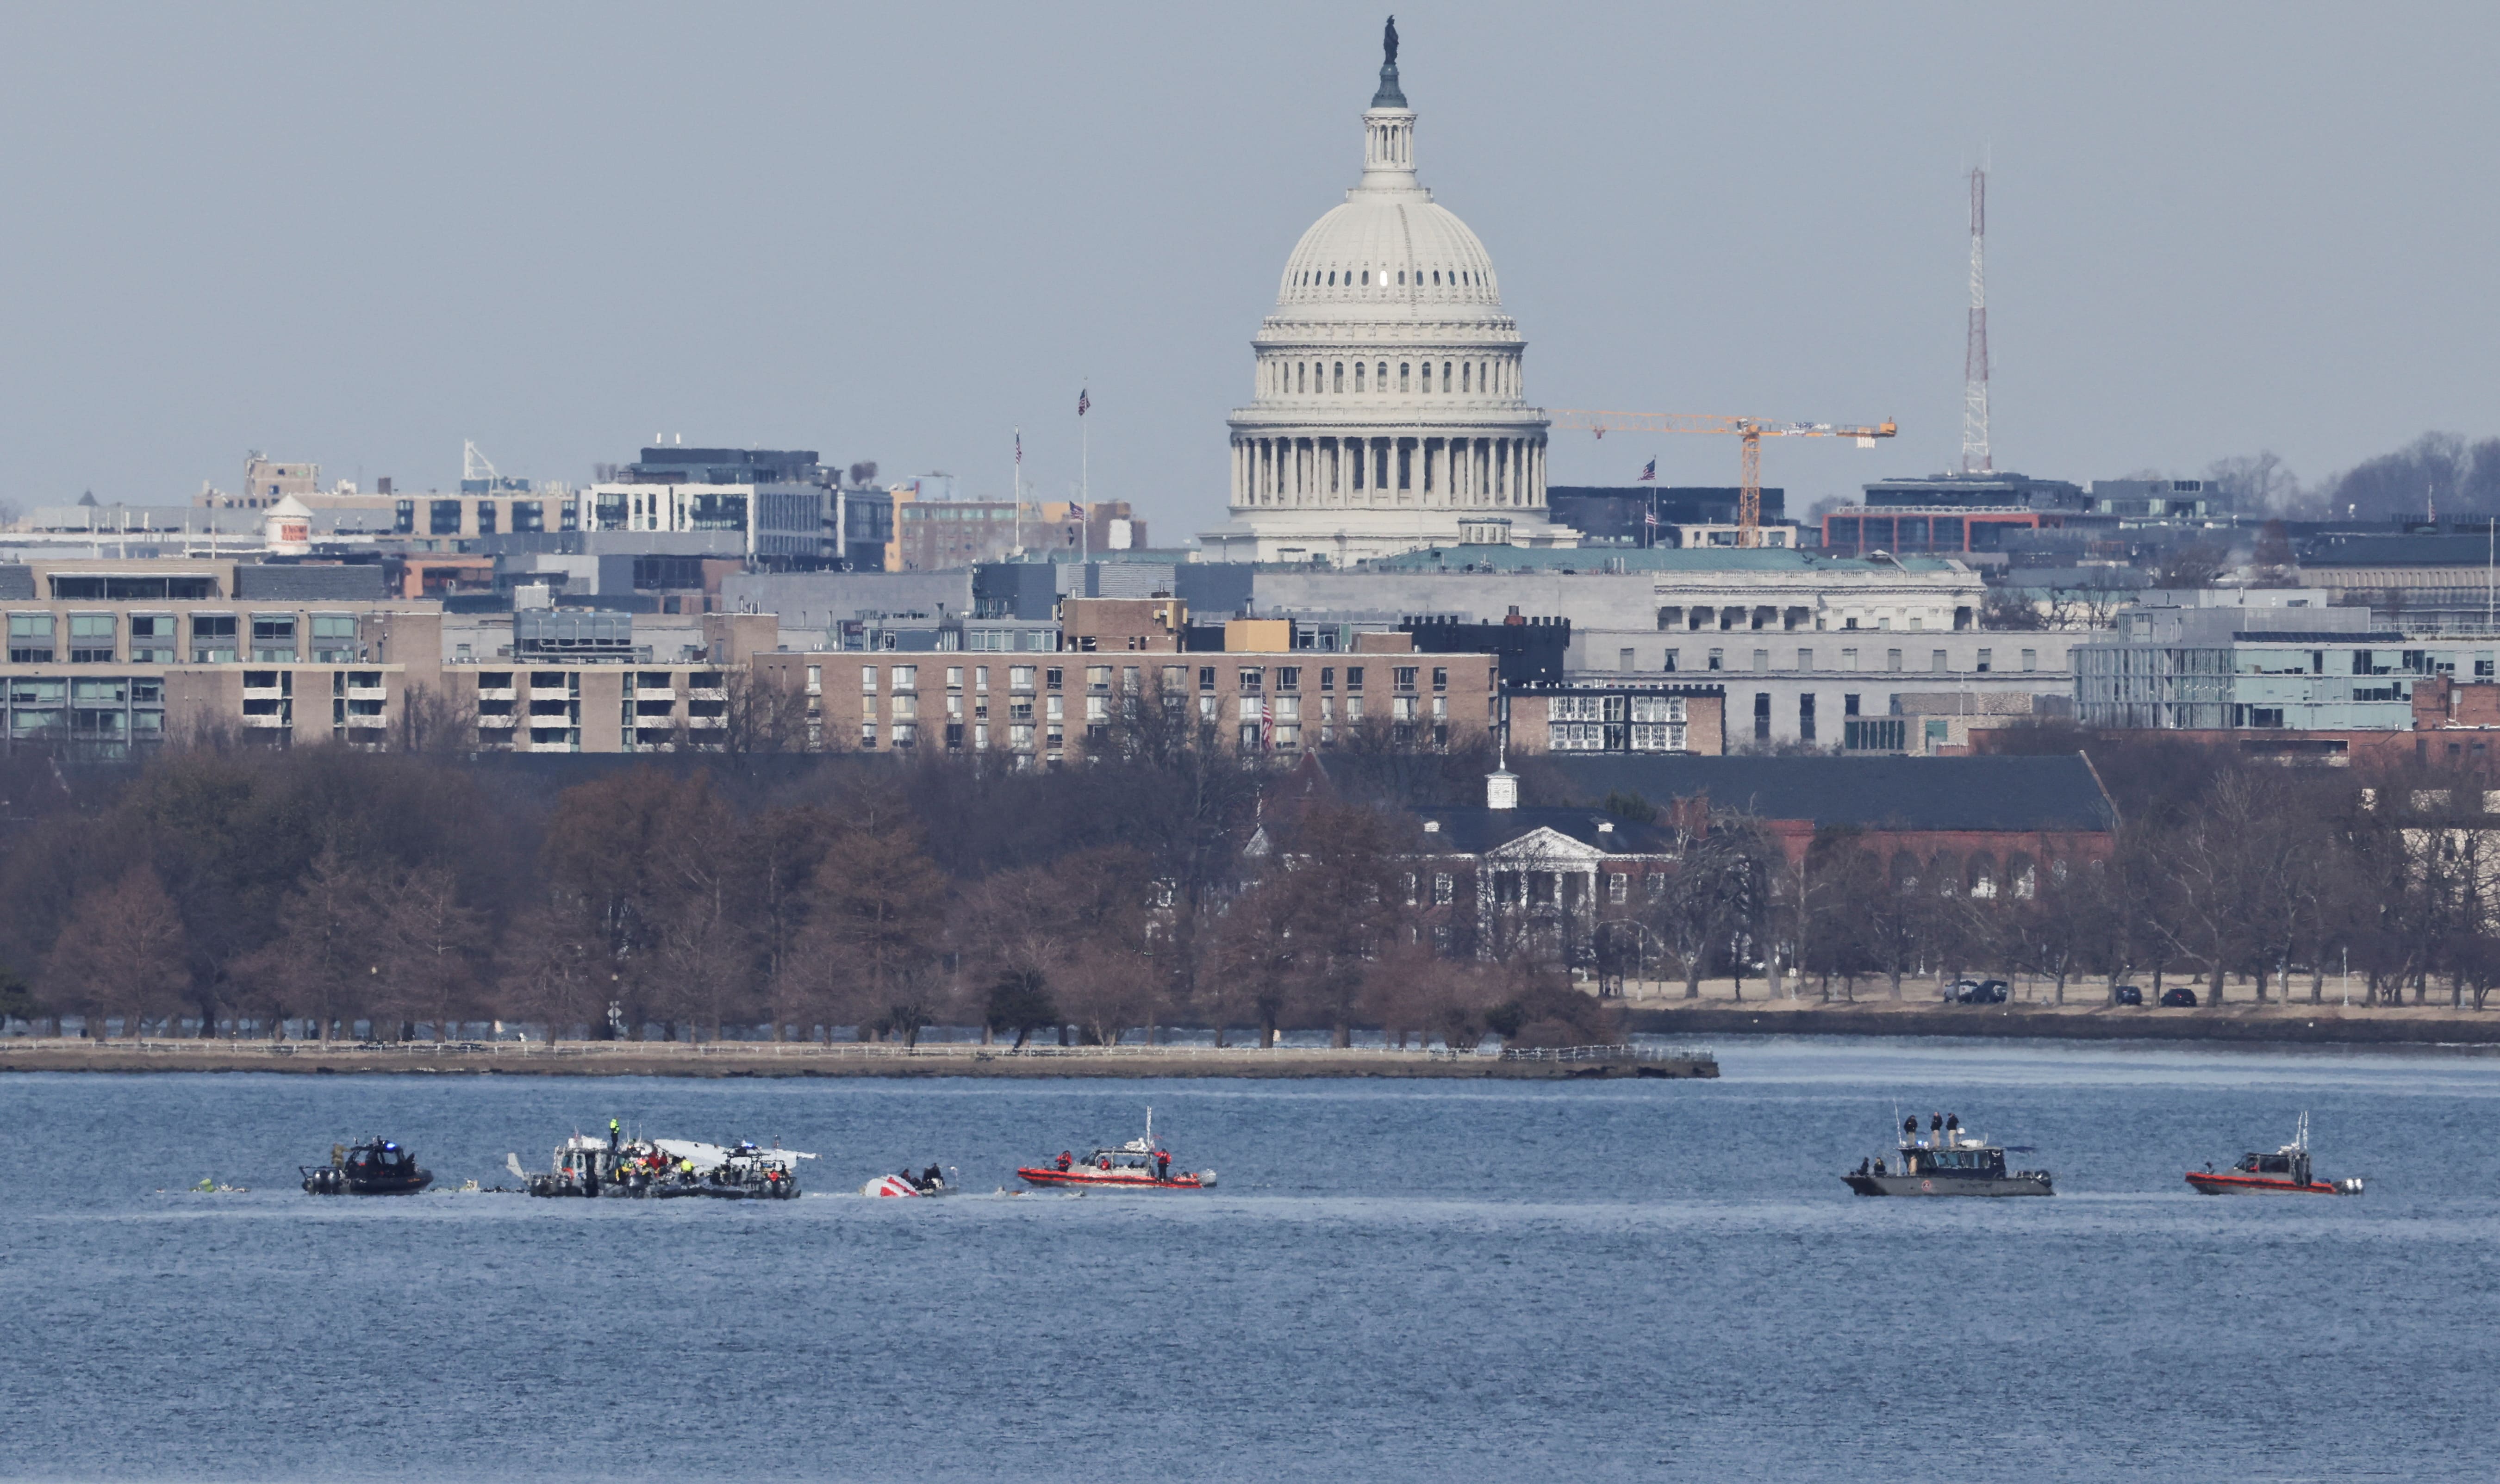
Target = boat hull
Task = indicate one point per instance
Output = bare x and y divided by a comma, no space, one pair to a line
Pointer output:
2206,1183
1087,1178
1940,1185
334,1181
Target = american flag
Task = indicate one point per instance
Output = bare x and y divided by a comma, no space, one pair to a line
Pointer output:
1084,401
1651,519
1267,728
1649,471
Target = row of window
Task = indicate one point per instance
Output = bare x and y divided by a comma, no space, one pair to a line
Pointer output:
1384,277
1303,377
95,639
443,517
1938,660
1700,616
1250,679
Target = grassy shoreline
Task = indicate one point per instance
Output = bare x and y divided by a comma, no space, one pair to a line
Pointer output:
794,1059
2275,1023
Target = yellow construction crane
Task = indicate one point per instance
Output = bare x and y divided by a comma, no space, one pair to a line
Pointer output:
1753,429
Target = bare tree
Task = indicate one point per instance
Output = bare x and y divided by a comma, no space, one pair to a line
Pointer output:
121,951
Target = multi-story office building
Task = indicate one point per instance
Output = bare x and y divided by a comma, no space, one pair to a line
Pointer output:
2294,665
106,654
791,510
1045,707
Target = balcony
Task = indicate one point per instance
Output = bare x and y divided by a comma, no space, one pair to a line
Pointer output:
372,722
506,721
369,693
495,693
277,720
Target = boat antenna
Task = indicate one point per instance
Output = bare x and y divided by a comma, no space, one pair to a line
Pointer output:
1150,1124
2300,1138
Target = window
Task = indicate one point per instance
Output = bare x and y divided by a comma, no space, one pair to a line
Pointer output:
1718,659
1761,660
1936,661
1404,676
1253,680
1671,661
1849,659
868,680
1891,658
91,638
1762,716
487,521
1052,677
1805,717
1442,678
1353,680
403,518
334,638
1986,658
1328,677
30,638
2030,659
443,517
273,637
1849,705
151,638
1806,659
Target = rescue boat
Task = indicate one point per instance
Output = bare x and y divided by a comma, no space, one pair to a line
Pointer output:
2285,1172
1140,1164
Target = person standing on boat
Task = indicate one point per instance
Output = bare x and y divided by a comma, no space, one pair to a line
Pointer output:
611,1136
1163,1165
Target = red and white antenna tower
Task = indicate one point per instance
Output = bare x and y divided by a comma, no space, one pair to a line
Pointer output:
1974,369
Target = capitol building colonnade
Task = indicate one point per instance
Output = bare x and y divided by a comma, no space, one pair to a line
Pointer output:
1387,412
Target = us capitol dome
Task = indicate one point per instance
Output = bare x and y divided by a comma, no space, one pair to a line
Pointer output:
1387,414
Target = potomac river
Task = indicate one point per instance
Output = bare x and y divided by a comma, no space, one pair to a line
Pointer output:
1395,1280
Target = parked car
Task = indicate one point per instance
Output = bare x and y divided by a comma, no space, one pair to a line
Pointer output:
1960,992
2179,999
1986,992
2126,994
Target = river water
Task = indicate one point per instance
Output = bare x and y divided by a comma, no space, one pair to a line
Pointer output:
1395,1280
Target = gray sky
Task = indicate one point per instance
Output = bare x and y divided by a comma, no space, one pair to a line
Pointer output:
361,234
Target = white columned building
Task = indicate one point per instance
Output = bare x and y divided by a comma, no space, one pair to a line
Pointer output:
1387,412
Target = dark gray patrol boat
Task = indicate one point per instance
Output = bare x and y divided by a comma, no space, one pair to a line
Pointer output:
1948,1162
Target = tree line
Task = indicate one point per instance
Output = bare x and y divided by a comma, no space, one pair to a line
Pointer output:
326,893
329,893
2233,876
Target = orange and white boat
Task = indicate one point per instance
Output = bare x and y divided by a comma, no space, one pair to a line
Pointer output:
2285,1172
1140,1164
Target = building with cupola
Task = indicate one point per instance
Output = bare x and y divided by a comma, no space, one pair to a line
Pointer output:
1388,408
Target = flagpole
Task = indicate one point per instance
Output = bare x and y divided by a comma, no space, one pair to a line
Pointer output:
1019,491
1084,480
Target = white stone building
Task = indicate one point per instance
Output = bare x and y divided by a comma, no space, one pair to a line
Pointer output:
1388,411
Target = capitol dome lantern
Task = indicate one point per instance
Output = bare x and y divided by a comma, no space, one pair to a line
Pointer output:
1387,406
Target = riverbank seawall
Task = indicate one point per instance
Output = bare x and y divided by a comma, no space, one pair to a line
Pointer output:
2249,1024
742,1058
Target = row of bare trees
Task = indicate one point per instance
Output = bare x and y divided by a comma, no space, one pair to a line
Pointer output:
327,893
2239,877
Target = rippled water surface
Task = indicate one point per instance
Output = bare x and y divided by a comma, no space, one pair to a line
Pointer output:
1397,1281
